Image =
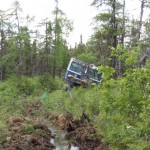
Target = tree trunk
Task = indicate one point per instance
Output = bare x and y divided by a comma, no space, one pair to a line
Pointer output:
54,69
141,18
114,33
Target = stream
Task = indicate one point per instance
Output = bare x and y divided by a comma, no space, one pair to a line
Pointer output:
59,140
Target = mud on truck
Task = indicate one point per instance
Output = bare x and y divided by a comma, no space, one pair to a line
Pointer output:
80,73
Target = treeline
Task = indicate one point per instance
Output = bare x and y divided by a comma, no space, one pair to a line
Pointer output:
26,51
117,37
117,41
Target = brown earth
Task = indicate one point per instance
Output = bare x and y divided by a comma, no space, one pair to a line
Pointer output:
81,134
29,133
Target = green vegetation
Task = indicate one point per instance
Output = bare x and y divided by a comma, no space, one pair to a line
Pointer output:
118,108
32,66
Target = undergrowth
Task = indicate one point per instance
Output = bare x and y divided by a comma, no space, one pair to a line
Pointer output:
118,108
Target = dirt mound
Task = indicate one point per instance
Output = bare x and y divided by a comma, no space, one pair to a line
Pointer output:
29,135
81,134
85,137
64,122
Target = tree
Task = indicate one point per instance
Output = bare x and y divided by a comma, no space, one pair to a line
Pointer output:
46,45
17,59
17,9
144,4
61,27
79,48
110,27
3,47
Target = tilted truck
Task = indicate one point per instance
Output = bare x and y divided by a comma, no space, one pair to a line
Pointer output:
80,73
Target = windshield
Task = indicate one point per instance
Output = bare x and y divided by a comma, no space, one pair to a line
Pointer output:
76,67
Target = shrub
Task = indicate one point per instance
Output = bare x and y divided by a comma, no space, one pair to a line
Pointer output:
47,82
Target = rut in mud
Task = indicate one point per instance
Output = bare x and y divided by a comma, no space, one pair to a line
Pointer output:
81,134
38,133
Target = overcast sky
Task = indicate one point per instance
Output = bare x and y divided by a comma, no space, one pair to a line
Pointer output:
79,11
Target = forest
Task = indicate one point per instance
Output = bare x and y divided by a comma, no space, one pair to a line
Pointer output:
114,114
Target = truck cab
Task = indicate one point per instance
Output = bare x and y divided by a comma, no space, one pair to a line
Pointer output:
80,73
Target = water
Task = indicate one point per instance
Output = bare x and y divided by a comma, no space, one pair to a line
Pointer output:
59,140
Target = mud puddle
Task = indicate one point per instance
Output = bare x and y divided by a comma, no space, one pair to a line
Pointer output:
59,139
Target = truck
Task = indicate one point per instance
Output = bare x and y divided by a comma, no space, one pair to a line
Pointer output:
81,73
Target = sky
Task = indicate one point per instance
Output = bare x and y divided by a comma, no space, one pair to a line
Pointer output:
79,11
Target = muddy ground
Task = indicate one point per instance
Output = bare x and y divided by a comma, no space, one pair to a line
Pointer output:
33,133
81,133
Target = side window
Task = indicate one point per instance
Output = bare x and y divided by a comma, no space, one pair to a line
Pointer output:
93,73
